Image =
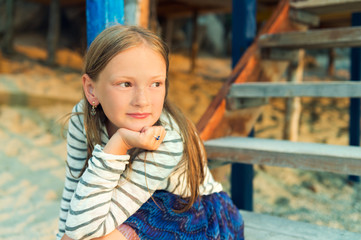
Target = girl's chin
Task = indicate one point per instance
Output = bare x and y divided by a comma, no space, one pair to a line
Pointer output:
139,128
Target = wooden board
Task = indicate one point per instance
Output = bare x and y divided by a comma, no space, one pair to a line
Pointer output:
63,3
325,38
184,8
308,156
260,227
327,6
287,89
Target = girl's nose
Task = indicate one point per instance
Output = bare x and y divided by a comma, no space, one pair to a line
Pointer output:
140,98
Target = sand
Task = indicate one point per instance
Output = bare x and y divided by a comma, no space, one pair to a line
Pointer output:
33,150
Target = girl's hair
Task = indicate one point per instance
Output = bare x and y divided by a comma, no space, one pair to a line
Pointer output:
103,49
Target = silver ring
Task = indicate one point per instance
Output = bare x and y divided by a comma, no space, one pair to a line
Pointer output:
157,137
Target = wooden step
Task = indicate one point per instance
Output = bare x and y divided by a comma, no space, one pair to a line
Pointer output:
289,89
308,156
261,226
324,38
327,6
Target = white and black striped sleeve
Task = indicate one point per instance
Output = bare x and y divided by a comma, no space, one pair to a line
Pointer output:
105,197
76,157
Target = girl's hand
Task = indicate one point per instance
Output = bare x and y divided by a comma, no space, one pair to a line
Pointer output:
148,138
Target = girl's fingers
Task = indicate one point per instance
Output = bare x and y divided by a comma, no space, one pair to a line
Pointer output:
148,138
159,134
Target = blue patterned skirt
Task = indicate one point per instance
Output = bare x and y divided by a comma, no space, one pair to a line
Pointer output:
214,216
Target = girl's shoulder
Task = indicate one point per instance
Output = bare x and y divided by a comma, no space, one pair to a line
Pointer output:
171,127
168,122
77,116
78,108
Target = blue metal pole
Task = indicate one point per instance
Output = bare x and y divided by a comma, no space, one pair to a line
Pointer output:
244,29
355,106
101,14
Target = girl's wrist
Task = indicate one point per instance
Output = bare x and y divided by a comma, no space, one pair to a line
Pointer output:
116,145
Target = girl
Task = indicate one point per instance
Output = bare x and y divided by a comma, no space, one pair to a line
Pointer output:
136,166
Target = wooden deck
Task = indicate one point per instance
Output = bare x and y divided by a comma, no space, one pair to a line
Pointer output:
262,227
299,155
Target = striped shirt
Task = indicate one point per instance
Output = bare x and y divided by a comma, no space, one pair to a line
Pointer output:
108,192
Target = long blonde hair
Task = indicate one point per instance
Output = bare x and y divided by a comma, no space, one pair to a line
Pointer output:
103,49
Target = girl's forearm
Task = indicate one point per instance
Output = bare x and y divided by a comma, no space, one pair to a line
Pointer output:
89,207
115,235
65,237
116,145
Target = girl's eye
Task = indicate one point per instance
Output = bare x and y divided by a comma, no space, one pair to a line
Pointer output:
155,84
125,84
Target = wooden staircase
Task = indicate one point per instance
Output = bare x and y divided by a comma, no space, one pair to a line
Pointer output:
234,111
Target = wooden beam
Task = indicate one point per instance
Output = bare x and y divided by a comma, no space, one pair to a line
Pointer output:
194,46
53,31
308,156
327,6
241,103
7,42
184,8
304,17
283,89
325,38
293,105
279,54
261,226
143,18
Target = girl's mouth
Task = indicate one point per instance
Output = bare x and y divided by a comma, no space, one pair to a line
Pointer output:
139,115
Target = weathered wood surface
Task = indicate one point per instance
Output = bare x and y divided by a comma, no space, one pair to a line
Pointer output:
182,8
327,6
308,156
63,3
324,38
53,31
285,89
304,17
215,121
260,227
7,41
293,105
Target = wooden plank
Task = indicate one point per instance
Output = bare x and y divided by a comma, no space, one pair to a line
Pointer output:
324,38
241,103
195,45
7,41
285,89
63,3
143,18
293,105
308,156
279,54
53,31
304,17
184,8
327,6
261,226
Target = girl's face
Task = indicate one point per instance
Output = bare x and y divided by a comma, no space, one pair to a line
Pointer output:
131,88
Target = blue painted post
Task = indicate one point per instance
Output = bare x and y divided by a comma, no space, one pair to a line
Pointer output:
354,130
101,14
244,29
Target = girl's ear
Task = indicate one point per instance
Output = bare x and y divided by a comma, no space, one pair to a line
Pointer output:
88,87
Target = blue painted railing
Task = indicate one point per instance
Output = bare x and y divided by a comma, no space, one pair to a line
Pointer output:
244,27
101,14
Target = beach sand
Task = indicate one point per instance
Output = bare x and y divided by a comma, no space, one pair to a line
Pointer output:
35,99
